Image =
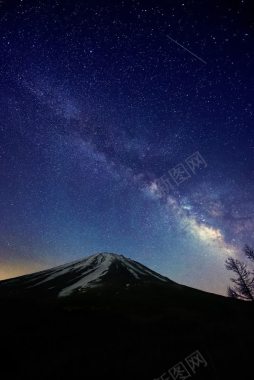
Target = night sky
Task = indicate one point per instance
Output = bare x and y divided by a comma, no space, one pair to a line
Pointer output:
127,127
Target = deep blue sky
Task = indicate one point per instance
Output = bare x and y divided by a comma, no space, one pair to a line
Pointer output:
98,100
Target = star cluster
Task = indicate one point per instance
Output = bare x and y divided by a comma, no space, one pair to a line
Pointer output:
98,101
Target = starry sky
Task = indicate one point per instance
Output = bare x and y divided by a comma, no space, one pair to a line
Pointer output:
127,127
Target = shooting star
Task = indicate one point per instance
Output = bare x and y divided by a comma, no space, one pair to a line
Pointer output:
194,55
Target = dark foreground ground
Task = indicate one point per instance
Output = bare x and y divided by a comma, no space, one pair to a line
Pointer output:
136,334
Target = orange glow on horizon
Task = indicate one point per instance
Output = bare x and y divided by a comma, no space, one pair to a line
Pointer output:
10,270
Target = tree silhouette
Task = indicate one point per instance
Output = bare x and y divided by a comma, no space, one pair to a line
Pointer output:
243,287
249,252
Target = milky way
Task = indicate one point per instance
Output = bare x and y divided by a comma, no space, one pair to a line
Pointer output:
98,105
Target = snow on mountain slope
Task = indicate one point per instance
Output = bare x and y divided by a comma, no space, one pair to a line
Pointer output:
96,270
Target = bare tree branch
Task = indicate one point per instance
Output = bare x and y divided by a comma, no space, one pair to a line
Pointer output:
244,283
249,252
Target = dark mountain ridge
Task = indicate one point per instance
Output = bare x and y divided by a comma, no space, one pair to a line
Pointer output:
107,316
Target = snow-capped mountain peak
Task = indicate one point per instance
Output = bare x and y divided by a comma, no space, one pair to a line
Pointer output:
102,269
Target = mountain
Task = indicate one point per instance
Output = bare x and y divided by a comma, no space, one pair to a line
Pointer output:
108,316
98,270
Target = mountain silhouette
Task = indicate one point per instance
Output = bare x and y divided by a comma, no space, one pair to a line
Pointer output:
98,270
107,316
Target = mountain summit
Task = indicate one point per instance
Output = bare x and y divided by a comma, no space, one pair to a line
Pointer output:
112,310
102,269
